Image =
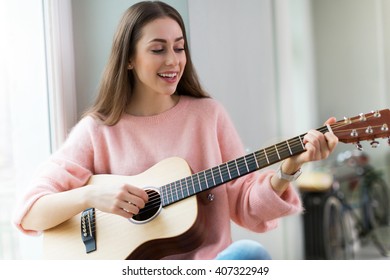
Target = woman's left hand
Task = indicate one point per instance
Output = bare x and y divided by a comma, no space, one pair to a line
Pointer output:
318,146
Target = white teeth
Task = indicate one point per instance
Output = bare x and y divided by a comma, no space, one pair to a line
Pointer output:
171,75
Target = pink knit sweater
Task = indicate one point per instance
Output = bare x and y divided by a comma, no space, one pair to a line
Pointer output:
197,130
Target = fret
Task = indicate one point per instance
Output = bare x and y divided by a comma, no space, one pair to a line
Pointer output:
238,170
209,179
297,145
246,164
242,167
233,169
199,183
185,191
261,158
174,191
228,169
303,145
182,184
252,162
225,174
181,190
203,182
289,148
220,174
164,197
189,184
272,155
195,183
283,150
175,194
171,192
217,176
277,152
205,179
266,156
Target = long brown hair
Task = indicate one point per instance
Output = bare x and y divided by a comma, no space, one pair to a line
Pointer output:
117,81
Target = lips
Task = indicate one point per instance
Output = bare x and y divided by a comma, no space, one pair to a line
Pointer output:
169,76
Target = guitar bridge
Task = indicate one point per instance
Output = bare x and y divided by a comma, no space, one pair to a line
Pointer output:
88,229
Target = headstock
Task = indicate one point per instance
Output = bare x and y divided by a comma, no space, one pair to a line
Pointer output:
365,127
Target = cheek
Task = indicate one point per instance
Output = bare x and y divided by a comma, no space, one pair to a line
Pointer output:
183,63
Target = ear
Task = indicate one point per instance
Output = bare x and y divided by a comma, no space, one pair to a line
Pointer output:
130,65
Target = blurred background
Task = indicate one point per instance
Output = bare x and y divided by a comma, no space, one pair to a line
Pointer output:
279,67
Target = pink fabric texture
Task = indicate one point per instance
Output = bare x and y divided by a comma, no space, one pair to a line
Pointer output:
197,130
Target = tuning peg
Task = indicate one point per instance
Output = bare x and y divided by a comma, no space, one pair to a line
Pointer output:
385,127
377,114
360,147
362,117
388,141
354,133
369,130
374,144
347,120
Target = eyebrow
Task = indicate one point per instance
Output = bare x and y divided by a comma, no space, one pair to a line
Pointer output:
165,41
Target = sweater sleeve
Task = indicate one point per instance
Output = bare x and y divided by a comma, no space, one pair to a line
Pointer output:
68,168
253,203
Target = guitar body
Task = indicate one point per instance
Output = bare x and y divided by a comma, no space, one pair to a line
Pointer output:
176,229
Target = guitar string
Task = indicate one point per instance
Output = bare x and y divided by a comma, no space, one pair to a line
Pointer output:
178,188
159,197
155,199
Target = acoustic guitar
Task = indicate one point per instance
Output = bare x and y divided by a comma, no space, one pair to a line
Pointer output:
169,223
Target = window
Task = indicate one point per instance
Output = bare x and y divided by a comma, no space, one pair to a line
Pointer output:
35,114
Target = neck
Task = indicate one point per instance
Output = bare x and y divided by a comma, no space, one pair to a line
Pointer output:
151,105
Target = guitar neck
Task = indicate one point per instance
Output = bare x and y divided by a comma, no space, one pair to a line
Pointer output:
228,171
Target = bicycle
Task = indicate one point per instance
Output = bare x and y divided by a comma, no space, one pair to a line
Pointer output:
355,206
359,201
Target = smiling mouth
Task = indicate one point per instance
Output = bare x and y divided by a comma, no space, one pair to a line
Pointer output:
167,75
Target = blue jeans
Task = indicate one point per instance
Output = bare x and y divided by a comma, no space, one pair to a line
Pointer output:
244,250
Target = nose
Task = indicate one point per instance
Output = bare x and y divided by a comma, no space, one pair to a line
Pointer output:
171,58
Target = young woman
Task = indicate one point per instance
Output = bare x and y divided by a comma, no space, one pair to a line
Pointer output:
151,106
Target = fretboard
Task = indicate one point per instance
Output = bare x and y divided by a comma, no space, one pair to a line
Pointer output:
228,171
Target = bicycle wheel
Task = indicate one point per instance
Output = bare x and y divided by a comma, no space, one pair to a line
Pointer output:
376,212
339,239
376,207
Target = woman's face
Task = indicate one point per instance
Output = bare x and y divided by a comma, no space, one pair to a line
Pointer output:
159,59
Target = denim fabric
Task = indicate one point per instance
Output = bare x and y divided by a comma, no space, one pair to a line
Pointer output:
244,250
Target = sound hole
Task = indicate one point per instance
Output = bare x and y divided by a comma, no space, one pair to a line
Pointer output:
151,209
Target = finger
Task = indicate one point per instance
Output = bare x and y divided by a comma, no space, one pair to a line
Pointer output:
141,193
331,140
135,200
331,120
314,138
129,207
316,145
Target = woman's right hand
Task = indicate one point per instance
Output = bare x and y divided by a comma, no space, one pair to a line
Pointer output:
124,200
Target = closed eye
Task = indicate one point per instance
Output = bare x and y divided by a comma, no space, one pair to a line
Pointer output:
179,49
